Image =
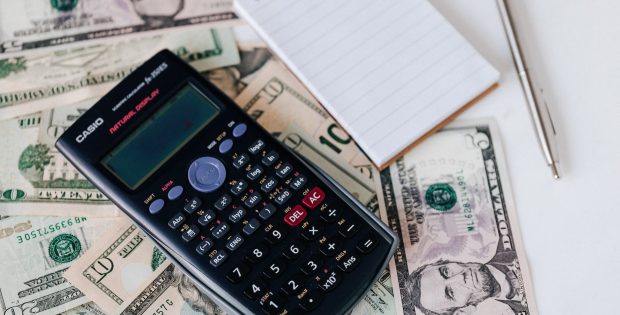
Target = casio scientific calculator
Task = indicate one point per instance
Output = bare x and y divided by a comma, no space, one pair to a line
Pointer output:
257,228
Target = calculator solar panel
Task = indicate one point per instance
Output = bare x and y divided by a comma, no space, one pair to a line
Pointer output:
257,228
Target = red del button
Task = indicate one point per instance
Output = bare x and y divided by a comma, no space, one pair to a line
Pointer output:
314,198
295,216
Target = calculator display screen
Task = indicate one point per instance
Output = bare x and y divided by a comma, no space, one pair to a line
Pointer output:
160,136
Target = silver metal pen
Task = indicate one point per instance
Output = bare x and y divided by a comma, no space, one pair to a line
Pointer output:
538,108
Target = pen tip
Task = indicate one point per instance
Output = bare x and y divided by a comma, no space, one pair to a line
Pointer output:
555,169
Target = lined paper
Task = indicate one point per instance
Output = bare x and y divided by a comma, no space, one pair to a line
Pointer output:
388,71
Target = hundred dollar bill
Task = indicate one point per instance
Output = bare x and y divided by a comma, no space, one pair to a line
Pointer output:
31,24
46,79
36,251
125,274
36,179
450,203
275,98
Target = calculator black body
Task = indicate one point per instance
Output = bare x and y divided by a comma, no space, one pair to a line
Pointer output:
166,147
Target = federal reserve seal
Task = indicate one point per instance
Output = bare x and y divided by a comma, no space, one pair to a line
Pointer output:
440,197
64,248
64,5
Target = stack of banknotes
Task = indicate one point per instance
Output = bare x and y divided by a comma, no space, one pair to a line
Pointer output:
67,250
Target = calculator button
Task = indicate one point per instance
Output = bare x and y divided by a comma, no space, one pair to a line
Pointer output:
298,182
284,170
275,269
206,218
274,305
225,146
176,221
276,234
269,185
330,247
267,211
367,244
313,231
222,202
253,199
219,257
256,146
239,187
256,289
294,250
311,300
192,205
220,230
238,273
283,196
239,130
156,206
348,262
330,215
312,265
234,243
236,215
255,172
295,216
251,227
175,192
241,160
257,254
204,246
348,228
293,285
329,280
190,233
206,174
270,158
314,198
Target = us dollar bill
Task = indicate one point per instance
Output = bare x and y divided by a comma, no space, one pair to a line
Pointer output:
449,201
124,273
36,178
33,24
46,79
275,98
36,251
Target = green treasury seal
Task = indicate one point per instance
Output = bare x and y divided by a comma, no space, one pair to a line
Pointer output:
64,248
64,5
440,197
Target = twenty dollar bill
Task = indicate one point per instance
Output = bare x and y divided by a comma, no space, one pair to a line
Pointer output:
449,202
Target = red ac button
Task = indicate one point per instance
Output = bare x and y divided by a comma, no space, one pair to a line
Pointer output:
314,198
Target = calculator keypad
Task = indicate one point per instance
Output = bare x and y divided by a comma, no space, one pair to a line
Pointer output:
268,229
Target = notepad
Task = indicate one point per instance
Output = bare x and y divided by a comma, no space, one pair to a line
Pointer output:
390,72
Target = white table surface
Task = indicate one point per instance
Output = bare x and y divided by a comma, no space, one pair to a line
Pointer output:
570,227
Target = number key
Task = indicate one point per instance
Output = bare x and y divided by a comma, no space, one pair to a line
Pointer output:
275,269
276,235
312,265
294,250
257,254
256,289
293,285
238,273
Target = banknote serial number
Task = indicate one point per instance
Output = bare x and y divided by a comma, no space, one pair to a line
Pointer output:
43,231
163,307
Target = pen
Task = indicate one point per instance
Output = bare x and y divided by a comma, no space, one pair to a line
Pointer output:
538,108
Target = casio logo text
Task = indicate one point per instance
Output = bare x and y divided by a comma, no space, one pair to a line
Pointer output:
90,129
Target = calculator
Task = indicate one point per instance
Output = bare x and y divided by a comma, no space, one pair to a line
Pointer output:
256,227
